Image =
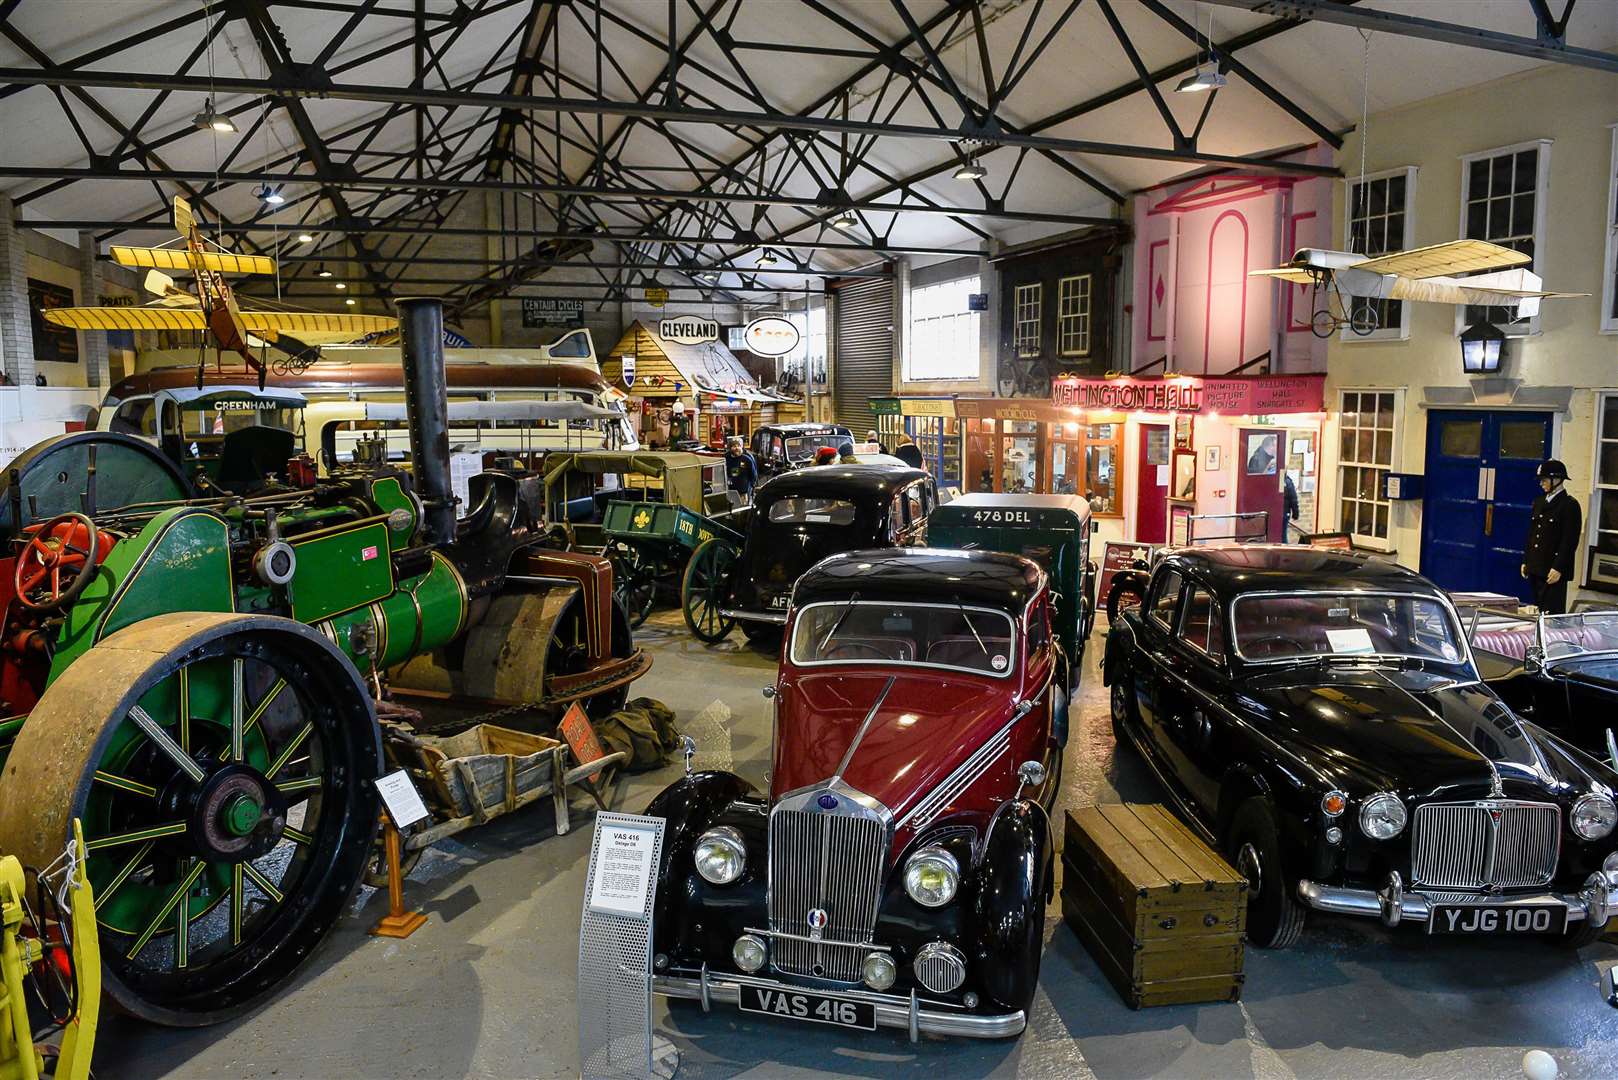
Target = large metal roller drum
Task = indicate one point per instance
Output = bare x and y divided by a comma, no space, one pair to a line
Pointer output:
55,477
222,765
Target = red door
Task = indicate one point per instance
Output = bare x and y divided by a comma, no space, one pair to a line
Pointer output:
1260,461
1152,485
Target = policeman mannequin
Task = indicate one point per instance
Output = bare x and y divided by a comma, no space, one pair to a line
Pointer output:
1554,528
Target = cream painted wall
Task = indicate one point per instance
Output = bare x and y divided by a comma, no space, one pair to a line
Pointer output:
1572,107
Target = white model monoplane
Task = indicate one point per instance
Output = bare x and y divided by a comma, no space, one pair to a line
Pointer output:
1425,273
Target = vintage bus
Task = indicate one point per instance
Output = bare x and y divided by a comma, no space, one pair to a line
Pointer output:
325,407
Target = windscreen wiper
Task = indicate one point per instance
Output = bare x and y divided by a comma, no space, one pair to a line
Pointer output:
838,625
969,626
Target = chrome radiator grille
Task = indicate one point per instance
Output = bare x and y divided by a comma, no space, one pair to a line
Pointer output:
1472,845
832,862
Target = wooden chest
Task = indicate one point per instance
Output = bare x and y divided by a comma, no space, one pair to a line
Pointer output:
1160,911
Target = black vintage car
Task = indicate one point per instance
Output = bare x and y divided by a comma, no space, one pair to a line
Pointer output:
797,519
1560,671
780,447
1319,717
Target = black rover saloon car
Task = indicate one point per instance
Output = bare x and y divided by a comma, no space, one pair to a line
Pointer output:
1319,717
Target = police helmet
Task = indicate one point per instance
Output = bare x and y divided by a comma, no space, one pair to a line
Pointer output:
1552,470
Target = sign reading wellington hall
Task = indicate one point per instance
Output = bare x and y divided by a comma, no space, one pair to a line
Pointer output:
1175,394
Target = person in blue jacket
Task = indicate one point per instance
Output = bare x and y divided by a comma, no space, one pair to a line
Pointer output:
741,469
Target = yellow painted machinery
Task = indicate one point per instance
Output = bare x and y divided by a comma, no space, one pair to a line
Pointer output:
22,956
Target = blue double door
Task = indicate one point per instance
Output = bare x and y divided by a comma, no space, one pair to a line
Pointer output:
1480,489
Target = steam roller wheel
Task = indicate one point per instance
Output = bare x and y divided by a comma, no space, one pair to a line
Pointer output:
705,589
222,766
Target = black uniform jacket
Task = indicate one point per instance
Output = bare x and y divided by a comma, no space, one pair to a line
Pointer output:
1554,529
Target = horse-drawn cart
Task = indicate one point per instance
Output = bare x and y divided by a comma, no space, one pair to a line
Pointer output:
645,510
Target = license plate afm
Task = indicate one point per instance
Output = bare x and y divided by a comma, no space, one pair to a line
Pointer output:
779,601
817,1008
1502,919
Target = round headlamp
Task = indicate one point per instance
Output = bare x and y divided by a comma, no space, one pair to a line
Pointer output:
879,971
1382,817
748,952
1593,816
721,855
932,876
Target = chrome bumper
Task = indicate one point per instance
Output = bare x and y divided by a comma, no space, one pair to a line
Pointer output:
1597,901
777,617
892,1011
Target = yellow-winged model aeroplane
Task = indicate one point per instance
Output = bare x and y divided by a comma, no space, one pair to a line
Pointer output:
1424,273
212,307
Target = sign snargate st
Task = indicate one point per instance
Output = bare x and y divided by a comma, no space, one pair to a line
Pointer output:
1186,394
688,331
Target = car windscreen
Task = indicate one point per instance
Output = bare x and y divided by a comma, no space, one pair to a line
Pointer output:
1280,627
1562,636
810,510
803,447
974,639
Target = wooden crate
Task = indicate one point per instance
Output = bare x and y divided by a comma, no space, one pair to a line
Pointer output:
1160,911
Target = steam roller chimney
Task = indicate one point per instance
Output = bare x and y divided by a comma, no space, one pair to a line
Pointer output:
421,333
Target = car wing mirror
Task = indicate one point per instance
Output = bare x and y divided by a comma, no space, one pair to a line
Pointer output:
1533,660
1029,774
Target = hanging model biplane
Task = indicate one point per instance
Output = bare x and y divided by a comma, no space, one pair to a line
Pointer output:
1424,273
212,307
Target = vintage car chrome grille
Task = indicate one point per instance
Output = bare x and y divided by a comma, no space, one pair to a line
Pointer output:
829,862
1475,845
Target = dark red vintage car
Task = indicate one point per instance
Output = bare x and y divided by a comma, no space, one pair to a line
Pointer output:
896,871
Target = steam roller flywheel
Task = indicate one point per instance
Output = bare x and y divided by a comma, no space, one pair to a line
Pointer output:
222,766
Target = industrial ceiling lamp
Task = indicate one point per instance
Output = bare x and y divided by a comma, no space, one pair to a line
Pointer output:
208,120
1200,81
969,168
768,258
1482,345
306,238
270,196
323,272
845,221
342,285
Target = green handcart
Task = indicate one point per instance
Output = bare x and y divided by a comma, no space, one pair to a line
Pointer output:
645,510
646,540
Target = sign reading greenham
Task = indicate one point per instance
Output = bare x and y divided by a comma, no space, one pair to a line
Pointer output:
688,331
1258,394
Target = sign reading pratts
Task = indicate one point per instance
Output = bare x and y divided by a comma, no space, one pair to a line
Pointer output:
688,331
771,335
1184,394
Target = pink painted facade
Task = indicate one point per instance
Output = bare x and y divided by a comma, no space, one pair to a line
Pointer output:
1195,244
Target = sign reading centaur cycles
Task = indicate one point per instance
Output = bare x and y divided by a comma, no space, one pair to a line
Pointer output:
551,311
688,331
1184,394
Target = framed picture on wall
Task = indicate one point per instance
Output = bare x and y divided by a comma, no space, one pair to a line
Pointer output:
1210,458
1184,479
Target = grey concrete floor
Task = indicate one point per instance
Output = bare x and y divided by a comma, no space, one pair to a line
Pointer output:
486,988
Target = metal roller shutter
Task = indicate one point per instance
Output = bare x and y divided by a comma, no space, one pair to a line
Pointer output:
864,356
